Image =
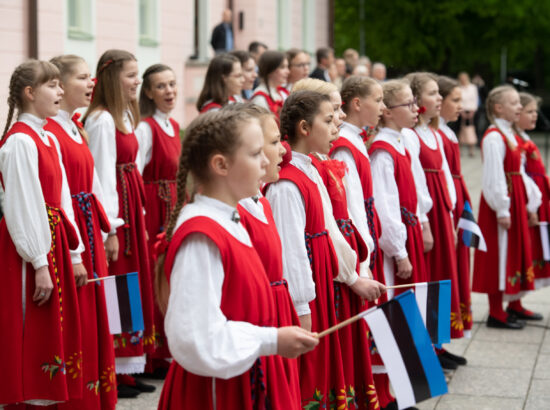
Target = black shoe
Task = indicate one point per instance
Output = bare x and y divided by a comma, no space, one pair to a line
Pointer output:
461,361
447,363
524,315
509,324
392,405
126,392
143,387
158,374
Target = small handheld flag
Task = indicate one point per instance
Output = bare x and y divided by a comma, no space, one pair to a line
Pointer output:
471,235
434,303
123,301
406,349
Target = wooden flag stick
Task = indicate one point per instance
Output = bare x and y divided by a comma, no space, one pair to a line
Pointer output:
97,279
358,316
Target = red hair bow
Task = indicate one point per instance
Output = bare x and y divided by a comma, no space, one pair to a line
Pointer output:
421,109
161,246
76,119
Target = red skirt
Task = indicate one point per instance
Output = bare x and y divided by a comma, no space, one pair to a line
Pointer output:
133,256
541,267
98,357
40,347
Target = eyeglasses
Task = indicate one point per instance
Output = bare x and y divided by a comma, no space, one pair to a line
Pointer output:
301,65
409,104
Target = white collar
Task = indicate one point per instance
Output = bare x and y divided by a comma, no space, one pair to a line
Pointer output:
449,133
36,123
254,207
357,130
524,135
392,137
63,118
303,163
162,116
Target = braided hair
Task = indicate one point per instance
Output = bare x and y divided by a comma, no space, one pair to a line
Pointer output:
210,133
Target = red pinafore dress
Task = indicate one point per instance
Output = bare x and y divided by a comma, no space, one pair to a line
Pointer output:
534,167
98,365
408,203
354,339
375,229
519,264
441,260
274,106
322,380
452,153
159,177
40,347
246,297
133,255
266,241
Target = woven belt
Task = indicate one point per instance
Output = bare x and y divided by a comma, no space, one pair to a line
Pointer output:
165,194
369,207
308,238
408,217
122,168
345,226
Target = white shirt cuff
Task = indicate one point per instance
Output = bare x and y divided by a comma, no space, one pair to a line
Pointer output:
423,218
302,309
505,213
268,336
352,279
40,261
402,254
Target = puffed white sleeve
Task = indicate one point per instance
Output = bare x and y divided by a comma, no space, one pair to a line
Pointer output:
425,203
201,338
447,171
355,197
394,235
101,129
24,206
289,214
534,196
144,135
67,205
493,180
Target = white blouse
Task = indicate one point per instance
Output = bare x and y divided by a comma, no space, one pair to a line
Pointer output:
144,135
101,129
354,189
260,99
255,208
24,205
449,133
200,337
386,194
493,183
289,214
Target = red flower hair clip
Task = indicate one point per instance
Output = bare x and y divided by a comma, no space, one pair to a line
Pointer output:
421,109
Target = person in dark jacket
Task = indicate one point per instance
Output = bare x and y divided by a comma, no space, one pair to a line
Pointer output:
325,59
222,36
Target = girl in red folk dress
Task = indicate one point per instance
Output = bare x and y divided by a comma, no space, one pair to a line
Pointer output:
354,283
310,265
273,72
425,143
221,317
159,149
451,107
110,122
224,79
98,364
40,349
535,168
257,218
508,206
249,74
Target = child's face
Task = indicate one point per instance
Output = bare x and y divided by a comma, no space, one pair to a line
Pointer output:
528,117
509,108
299,67
452,105
46,99
129,80
431,99
250,74
235,80
372,107
280,75
163,90
404,111
247,165
339,114
273,150
322,132
78,87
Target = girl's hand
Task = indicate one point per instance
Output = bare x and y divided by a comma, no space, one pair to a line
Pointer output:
504,222
368,289
404,268
305,322
111,248
80,275
533,219
293,341
43,285
427,237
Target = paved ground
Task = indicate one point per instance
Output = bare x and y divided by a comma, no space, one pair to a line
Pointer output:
506,369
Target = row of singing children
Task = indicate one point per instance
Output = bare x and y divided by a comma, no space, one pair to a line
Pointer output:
66,187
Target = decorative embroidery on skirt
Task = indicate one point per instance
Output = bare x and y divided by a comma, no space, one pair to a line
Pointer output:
122,168
54,219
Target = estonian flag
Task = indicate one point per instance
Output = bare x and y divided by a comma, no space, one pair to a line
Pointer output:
471,235
406,349
544,229
123,303
434,303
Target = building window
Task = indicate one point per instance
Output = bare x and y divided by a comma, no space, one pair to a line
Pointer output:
148,27
79,19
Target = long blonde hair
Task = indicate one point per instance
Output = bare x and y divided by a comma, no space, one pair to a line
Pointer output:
108,92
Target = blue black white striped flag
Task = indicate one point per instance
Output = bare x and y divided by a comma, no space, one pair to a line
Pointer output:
434,303
471,235
123,301
406,349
